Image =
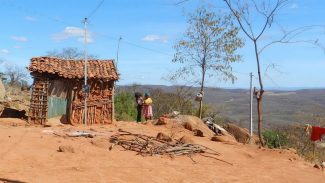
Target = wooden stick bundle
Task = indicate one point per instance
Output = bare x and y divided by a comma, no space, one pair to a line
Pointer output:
150,146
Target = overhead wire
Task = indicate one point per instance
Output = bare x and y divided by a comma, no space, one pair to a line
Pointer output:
131,43
90,15
96,33
93,12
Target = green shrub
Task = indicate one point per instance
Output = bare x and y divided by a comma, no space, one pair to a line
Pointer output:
274,139
125,109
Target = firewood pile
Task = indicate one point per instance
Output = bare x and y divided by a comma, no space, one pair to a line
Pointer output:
151,146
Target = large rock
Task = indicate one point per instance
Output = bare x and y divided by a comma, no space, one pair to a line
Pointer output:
241,134
194,123
2,91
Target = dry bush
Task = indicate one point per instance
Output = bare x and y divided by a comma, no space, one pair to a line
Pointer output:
299,140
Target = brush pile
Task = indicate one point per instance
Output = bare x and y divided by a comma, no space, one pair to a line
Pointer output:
151,146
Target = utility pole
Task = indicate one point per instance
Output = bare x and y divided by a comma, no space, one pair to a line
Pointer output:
118,49
85,88
113,91
251,105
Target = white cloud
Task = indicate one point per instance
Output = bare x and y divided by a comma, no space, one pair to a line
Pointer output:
73,32
30,18
294,6
152,38
4,51
19,38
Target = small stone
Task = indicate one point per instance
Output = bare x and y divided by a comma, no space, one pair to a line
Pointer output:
186,140
198,133
292,150
188,126
292,159
66,148
317,166
161,121
164,137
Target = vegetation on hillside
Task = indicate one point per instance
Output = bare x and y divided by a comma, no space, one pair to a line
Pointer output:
275,139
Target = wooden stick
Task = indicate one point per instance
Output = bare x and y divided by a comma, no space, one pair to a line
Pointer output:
217,159
81,117
92,115
95,108
314,149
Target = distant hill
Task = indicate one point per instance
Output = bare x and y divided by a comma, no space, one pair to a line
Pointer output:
280,107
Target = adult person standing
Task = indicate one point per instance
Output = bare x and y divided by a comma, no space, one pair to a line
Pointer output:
147,107
139,102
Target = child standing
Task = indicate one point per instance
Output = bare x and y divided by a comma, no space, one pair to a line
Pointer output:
147,107
139,102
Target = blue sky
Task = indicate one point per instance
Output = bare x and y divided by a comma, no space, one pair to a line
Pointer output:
149,29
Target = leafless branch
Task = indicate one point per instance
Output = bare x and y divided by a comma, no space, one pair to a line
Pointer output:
237,16
269,17
288,36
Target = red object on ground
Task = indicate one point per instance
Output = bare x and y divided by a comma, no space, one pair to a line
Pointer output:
317,133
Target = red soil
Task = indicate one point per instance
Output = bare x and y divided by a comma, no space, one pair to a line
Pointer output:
30,154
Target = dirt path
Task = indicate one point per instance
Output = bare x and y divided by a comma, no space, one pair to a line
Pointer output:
29,154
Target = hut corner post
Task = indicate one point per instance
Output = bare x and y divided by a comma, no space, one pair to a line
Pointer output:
113,103
38,103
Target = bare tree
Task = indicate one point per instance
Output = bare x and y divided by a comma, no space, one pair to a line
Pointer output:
15,74
266,10
208,48
69,53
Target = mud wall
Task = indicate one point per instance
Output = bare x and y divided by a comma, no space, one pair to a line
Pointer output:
99,103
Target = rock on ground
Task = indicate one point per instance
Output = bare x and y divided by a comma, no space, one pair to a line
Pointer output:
194,123
198,133
186,139
164,137
241,134
66,148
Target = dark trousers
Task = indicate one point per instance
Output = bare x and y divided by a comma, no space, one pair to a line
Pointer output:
139,109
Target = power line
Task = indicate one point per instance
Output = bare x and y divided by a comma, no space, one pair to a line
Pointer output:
97,33
132,44
96,8
242,73
180,2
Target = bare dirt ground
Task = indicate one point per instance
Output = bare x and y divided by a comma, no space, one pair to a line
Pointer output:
30,154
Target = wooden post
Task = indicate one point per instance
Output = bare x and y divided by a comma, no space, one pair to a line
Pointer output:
314,149
113,105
